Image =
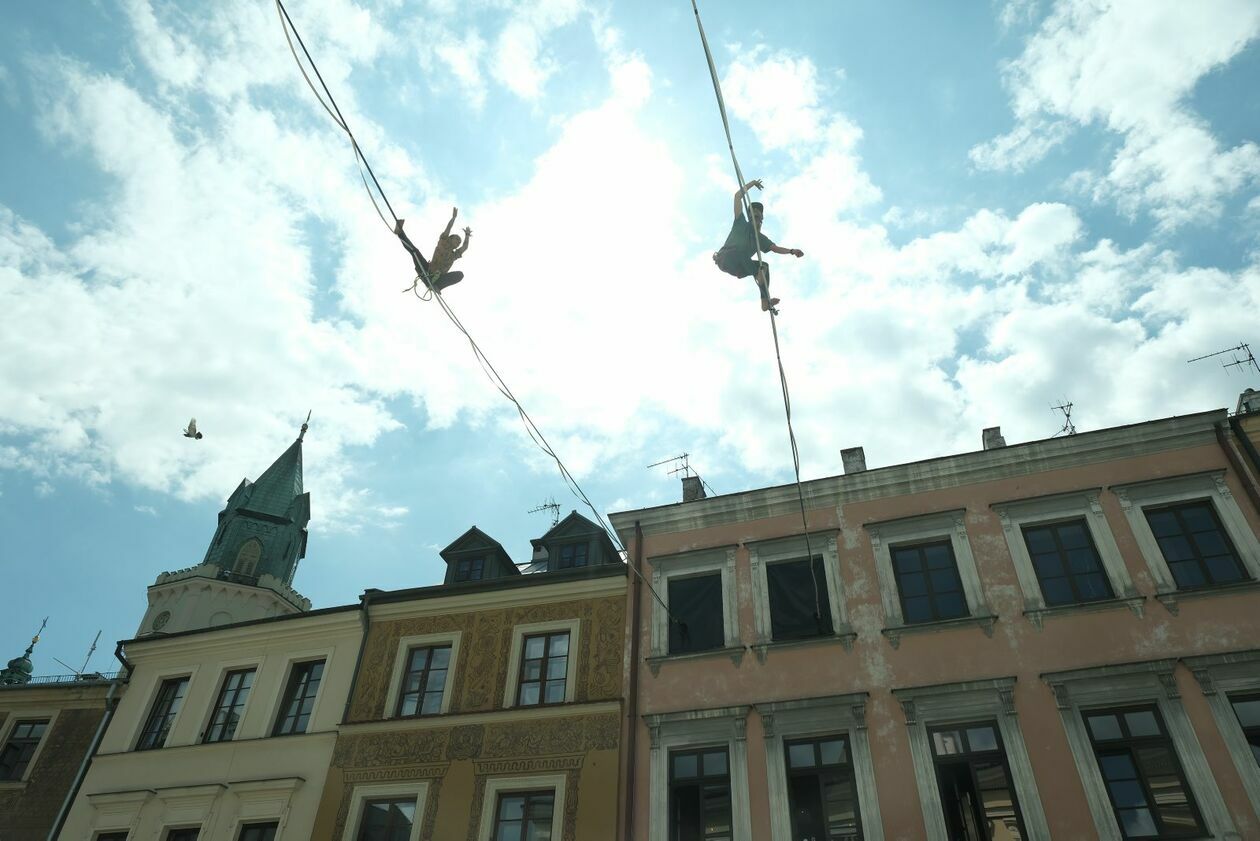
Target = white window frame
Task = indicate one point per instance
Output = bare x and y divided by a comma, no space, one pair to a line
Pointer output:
1222,675
519,632
256,663
495,786
1054,508
173,735
362,793
723,727
291,660
405,645
1121,685
839,715
15,718
763,554
686,565
1210,485
951,525
961,703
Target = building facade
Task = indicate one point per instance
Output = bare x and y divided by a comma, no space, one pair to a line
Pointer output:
1056,639
488,707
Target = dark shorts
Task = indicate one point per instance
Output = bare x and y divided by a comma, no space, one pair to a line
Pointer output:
734,263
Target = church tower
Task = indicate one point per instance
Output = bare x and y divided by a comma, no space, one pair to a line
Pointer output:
248,570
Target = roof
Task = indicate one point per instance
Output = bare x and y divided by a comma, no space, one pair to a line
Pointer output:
274,491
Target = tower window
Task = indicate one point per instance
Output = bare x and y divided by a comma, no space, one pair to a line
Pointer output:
247,558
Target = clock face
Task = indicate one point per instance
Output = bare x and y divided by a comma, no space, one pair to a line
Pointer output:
159,621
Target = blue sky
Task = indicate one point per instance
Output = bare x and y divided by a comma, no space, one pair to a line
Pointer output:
1002,205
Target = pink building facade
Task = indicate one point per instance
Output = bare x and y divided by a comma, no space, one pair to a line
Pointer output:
1058,639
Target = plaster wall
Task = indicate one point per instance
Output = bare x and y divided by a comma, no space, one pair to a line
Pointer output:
1220,622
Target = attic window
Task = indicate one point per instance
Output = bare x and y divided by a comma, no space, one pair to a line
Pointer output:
247,557
573,555
469,569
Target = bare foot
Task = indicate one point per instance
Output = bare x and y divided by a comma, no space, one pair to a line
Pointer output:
766,306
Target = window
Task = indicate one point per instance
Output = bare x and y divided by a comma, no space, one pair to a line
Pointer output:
822,794
1066,562
544,669
1198,551
387,819
700,795
1247,708
928,582
247,557
524,816
299,698
977,794
1142,774
185,834
424,681
258,832
112,836
228,707
469,569
573,555
165,708
799,606
18,750
695,604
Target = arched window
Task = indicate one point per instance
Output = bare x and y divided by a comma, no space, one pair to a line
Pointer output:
247,557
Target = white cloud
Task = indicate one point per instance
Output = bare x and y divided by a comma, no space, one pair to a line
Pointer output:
145,509
43,490
1130,67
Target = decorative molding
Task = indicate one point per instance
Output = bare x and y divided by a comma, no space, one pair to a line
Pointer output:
767,725
907,709
859,715
984,623
1204,677
1062,696
1169,682
736,653
1136,604
1007,694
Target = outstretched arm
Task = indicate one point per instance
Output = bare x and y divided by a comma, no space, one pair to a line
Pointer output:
739,195
459,252
454,213
795,252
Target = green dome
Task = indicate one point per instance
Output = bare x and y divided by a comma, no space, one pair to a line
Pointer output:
20,668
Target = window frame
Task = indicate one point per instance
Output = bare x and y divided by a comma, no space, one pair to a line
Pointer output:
254,824
401,656
721,727
930,590
1210,485
528,795
1151,682
764,554
574,544
168,832
666,567
494,786
785,721
544,681
361,794
1176,509
218,700
1221,678
927,528
161,683
463,576
516,655
938,705
965,758
701,778
16,719
290,669
109,835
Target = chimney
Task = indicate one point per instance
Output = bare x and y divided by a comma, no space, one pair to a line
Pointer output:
1248,402
854,460
993,438
693,489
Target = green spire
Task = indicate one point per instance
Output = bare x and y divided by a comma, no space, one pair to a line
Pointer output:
280,484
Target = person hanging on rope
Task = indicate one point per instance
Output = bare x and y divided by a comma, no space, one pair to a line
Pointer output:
437,272
737,256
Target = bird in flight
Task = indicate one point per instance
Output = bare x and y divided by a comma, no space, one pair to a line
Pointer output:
191,431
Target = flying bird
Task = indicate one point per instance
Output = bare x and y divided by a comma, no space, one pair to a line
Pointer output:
191,431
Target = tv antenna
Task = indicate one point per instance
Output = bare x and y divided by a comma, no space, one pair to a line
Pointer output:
683,465
79,671
1246,359
550,505
1069,428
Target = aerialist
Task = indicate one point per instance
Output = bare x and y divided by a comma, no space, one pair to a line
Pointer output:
737,255
437,272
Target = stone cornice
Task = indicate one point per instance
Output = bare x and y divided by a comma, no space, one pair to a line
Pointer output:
1085,448
430,603
297,627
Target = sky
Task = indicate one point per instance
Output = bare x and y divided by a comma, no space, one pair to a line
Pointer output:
1003,206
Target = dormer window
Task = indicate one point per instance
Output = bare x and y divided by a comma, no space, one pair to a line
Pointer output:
573,555
470,569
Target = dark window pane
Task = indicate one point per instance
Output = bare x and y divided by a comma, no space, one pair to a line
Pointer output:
1067,563
907,560
1137,823
833,752
801,756
981,738
1039,540
229,706
918,609
544,669
939,556
387,819
928,583
425,678
715,764
186,834
166,706
1141,723
1188,574
686,766
696,604
951,606
1248,711
259,832
799,606
1057,591
1093,587
1195,545
1104,726
913,584
1223,569
1163,523
299,698
1048,565
1073,536
20,748
700,805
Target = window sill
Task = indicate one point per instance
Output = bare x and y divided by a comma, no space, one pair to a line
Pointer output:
1171,598
1133,603
736,653
845,637
985,623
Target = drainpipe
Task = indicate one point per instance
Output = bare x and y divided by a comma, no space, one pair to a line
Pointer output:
1246,474
110,706
365,619
632,691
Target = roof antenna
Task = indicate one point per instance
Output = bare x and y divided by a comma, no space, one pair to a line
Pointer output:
684,468
305,424
78,673
1247,359
550,505
1069,428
